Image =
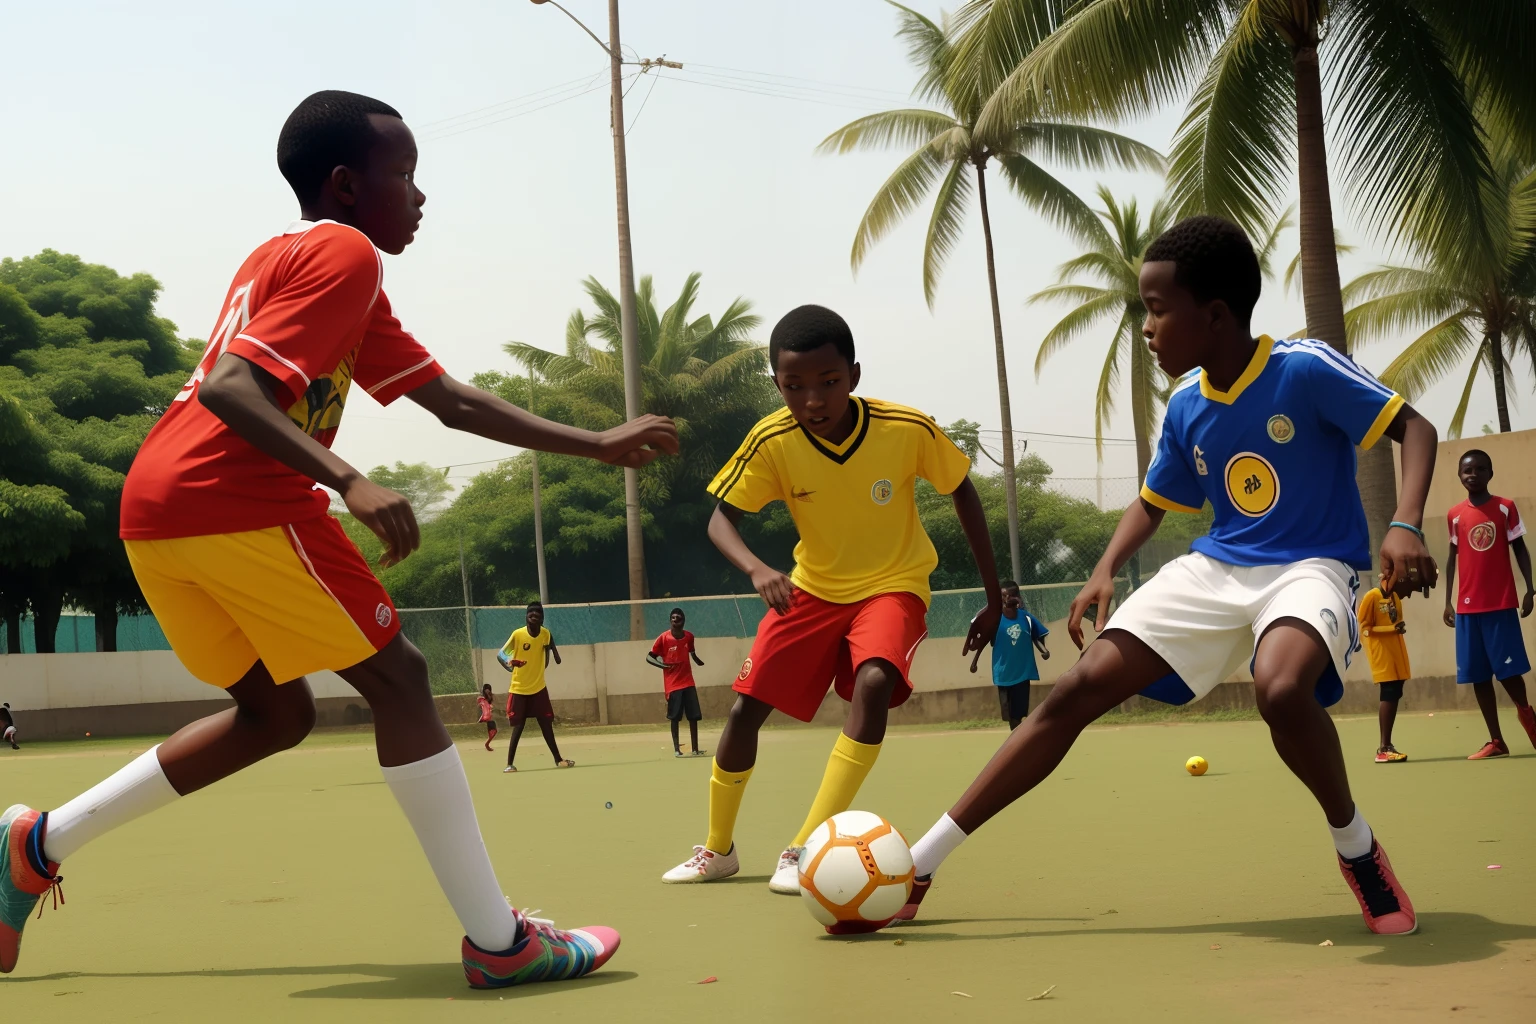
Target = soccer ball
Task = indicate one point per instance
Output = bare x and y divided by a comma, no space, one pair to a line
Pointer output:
1196,765
855,873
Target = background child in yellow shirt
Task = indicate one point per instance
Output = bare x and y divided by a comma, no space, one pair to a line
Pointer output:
1381,632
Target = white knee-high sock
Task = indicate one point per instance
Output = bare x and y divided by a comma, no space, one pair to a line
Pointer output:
1354,839
132,792
434,794
940,842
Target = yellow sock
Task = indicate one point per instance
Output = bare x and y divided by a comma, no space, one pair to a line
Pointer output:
725,792
846,770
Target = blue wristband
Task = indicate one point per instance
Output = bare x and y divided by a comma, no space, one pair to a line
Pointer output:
1407,526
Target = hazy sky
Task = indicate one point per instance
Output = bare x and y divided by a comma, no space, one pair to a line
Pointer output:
142,136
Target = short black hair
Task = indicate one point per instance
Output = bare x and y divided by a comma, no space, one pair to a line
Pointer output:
535,604
1213,259
1008,585
676,611
806,328
1470,452
326,130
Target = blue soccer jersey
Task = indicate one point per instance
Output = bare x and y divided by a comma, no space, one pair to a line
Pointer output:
1013,649
1275,456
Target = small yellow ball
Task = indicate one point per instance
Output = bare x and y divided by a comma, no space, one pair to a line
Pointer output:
1196,765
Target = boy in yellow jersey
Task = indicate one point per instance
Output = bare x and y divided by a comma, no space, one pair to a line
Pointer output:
526,654
853,610
1380,616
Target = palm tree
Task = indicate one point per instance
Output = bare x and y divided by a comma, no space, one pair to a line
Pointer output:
950,149
1470,298
702,371
1113,260
1399,73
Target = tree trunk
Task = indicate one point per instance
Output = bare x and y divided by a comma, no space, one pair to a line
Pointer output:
1141,407
1500,398
1010,480
47,607
106,627
1375,475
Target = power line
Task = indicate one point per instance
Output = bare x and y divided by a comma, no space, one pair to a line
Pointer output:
514,101
460,130
772,95
887,93
643,103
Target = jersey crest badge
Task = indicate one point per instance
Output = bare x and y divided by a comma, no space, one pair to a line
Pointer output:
1280,428
881,492
1481,536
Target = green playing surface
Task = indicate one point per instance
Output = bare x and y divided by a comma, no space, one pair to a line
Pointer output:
295,892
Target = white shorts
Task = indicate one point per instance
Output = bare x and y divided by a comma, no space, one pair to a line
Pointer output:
1204,617
10,733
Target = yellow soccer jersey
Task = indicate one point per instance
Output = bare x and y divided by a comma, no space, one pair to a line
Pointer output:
853,503
528,678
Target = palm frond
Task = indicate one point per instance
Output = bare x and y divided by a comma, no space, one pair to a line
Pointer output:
1429,357
1388,316
1271,241
992,37
1492,42
928,48
945,226
1074,324
1044,193
1104,394
1110,268
1234,151
902,191
1459,417
1082,146
904,128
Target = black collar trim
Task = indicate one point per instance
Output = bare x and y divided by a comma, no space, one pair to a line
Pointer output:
860,429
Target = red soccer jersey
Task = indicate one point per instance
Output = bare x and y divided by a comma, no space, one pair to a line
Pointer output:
487,710
677,653
1481,534
306,307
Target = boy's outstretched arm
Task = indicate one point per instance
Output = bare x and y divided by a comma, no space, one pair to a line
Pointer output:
652,659
771,585
462,407
1137,526
244,396
973,520
1404,558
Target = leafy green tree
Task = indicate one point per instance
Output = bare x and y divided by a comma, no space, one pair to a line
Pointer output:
952,151
422,485
1252,73
87,367
1471,298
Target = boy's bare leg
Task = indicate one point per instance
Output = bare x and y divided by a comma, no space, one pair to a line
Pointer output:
1515,687
1290,658
693,735
737,749
1115,667
266,718
1386,718
1488,704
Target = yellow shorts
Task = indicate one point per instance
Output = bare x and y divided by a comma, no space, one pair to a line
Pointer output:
299,598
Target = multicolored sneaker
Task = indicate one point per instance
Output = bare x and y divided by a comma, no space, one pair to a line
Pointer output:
27,878
1390,755
1383,903
1527,716
786,877
920,887
1493,748
704,866
545,954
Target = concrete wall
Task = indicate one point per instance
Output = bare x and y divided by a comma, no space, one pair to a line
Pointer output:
149,692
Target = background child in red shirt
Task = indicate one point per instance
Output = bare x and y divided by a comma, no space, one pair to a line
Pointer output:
671,653
487,715
1485,530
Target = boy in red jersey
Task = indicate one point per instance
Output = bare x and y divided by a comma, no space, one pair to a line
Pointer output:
1485,530
256,586
671,653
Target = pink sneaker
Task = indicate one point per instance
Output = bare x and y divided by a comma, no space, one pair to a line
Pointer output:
1493,748
920,887
1383,903
545,954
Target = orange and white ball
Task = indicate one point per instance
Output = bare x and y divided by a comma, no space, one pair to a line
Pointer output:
856,868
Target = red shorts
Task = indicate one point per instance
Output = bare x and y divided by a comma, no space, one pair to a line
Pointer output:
801,653
536,704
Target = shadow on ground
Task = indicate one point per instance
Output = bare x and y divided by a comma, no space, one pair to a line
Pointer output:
1443,938
391,981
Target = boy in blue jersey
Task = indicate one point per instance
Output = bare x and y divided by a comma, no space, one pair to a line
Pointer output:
1019,636
1266,431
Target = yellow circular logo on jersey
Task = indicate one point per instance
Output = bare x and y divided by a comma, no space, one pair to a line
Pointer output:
881,492
1281,429
1252,484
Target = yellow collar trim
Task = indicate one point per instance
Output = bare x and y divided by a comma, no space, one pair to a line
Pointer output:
1249,375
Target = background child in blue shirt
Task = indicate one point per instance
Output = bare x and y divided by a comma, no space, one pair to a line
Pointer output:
1019,635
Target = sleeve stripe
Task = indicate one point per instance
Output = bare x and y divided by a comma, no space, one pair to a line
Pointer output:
403,373
271,352
904,419
1340,363
1151,497
1383,420
741,461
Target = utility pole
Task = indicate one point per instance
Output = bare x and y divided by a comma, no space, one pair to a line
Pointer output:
628,327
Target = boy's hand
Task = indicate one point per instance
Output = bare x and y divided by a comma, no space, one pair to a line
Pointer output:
387,514
1449,618
1401,627
516,664
983,631
1525,606
1098,591
773,587
1406,564
640,441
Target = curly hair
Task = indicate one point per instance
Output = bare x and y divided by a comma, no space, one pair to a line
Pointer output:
1213,259
805,328
328,129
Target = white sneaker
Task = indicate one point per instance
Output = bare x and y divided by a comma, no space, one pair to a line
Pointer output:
705,866
786,877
